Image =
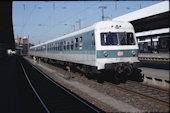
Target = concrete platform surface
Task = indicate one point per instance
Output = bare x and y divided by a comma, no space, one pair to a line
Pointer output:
156,77
153,55
157,73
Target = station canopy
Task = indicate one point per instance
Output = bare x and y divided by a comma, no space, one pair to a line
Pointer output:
149,18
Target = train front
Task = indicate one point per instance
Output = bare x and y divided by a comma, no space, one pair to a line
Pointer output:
116,47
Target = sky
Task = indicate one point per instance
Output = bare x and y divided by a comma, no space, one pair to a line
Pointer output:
43,21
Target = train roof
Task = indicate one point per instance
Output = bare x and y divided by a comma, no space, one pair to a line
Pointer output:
86,29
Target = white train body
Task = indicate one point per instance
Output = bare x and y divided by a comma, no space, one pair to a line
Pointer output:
101,44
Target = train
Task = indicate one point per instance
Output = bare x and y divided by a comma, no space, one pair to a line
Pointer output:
103,46
154,44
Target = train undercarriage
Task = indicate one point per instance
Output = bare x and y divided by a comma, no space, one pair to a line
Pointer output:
119,72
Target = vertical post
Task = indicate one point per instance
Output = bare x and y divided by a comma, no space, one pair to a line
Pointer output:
151,45
79,23
28,45
103,7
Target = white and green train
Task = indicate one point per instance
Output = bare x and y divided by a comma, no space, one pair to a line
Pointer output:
106,45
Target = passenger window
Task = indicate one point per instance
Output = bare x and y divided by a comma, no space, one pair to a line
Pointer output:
56,46
92,39
68,45
72,43
53,46
81,39
61,45
64,45
76,43
81,44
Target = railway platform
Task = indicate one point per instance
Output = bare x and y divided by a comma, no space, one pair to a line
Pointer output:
16,95
156,77
155,68
160,57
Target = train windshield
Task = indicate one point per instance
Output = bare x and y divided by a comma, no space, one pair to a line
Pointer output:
120,38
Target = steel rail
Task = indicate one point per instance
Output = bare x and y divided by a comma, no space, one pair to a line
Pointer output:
76,97
140,94
43,104
145,85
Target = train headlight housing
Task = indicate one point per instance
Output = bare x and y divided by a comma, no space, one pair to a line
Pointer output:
105,53
133,53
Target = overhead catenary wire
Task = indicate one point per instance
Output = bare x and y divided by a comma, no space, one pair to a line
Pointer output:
80,12
26,20
75,15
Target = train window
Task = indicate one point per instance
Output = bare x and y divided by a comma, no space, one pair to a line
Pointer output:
92,39
72,45
81,39
68,45
109,39
49,47
64,45
44,48
54,46
80,45
58,47
76,43
61,46
126,38
121,38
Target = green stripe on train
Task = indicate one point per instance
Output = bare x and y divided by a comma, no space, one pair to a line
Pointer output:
113,53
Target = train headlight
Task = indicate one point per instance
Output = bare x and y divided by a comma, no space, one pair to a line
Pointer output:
105,53
133,53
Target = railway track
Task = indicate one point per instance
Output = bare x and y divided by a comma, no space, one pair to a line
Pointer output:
150,93
53,96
